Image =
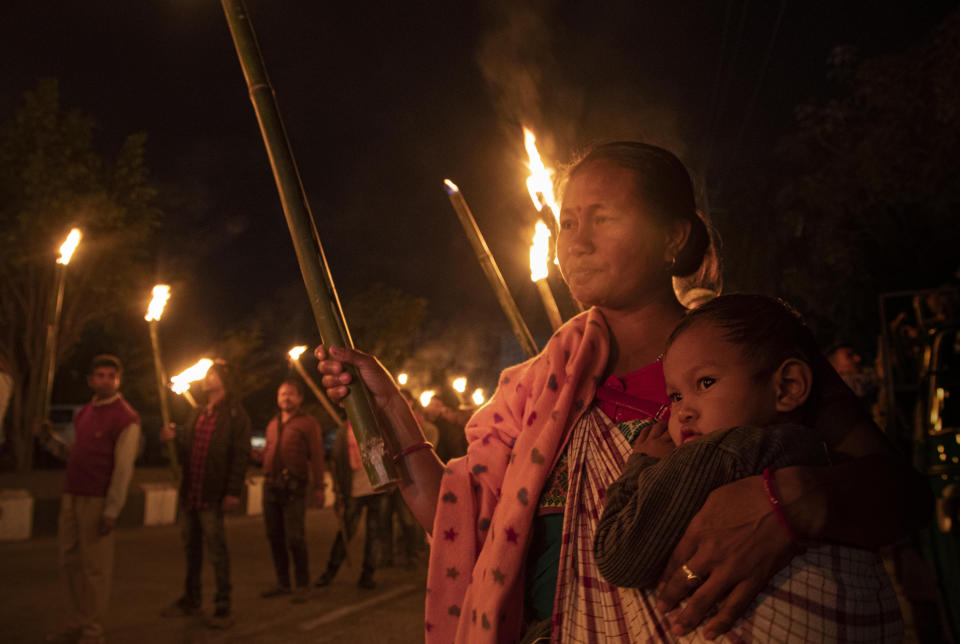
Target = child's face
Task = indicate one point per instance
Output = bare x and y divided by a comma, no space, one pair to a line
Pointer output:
712,386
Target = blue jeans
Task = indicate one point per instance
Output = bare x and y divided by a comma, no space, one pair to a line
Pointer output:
203,530
353,509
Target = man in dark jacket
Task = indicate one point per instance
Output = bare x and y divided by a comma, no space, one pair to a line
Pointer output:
213,446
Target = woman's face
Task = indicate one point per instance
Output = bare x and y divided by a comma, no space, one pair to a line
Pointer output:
612,253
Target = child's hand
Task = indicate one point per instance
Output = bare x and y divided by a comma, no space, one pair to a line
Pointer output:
654,440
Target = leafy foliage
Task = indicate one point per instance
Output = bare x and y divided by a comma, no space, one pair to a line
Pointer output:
52,178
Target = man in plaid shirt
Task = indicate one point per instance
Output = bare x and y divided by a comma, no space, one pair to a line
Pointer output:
214,445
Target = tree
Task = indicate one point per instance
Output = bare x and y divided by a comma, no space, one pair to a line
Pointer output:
52,178
384,321
864,194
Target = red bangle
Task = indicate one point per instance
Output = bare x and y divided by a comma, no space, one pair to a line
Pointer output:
410,450
777,506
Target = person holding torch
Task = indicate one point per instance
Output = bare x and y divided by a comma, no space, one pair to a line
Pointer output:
214,447
513,521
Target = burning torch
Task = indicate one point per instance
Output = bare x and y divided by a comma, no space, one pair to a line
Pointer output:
161,293
180,383
540,187
54,308
539,270
489,266
294,354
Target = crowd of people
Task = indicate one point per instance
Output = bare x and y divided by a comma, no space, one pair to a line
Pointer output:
653,474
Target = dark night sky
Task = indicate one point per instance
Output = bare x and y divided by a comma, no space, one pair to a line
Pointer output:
382,101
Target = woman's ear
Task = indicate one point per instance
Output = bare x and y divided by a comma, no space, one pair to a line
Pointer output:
793,382
676,239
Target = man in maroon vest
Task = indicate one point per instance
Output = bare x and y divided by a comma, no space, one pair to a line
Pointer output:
99,467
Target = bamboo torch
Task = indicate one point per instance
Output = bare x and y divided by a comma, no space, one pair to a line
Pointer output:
294,354
55,307
180,383
539,270
306,242
161,293
540,187
489,266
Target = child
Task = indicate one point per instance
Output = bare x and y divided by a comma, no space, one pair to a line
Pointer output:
738,376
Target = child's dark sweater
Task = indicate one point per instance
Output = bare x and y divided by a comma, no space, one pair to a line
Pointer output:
648,508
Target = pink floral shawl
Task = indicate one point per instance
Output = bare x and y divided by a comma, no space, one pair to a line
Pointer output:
475,582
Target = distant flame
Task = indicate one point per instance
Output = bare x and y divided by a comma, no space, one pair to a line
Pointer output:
540,181
426,397
540,253
181,382
459,384
477,397
402,379
68,246
451,186
295,352
161,293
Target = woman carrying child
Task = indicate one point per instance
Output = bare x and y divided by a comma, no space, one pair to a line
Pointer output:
513,521
739,379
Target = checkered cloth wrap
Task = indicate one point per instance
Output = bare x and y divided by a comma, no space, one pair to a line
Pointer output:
828,594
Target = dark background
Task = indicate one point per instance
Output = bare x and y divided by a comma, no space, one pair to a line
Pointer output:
382,101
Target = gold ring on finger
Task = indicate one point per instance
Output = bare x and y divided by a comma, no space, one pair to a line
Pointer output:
692,577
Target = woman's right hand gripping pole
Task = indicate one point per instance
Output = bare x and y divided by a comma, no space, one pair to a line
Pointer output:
422,470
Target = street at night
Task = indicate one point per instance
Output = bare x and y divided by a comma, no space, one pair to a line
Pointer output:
148,575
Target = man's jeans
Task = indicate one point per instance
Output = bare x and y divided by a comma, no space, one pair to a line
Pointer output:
353,509
284,514
203,530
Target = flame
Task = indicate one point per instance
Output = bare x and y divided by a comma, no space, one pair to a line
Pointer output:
181,382
477,397
68,246
161,293
451,187
540,181
539,253
402,379
426,397
459,384
295,352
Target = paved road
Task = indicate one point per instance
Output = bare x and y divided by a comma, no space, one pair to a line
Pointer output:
149,572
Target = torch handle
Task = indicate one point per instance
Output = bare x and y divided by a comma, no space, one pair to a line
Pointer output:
549,303
55,307
162,396
327,405
190,399
492,271
306,241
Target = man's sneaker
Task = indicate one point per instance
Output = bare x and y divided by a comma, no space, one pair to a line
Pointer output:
221,618
325,579
366,580
180,608
301,595
276,591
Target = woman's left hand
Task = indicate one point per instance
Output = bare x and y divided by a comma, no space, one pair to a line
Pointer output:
735,545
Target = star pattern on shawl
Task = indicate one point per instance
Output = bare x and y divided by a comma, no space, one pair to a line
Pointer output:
498,576
452,573
512,535
450,535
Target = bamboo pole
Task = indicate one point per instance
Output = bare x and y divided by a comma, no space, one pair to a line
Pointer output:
162,394
490,269
327,405
306,241
549,303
